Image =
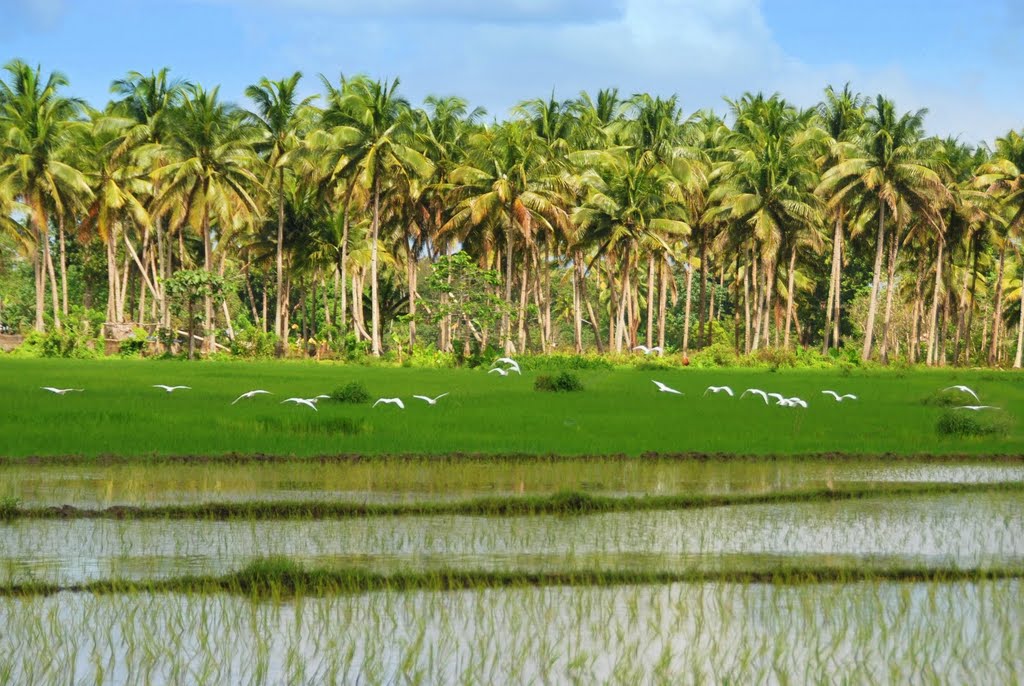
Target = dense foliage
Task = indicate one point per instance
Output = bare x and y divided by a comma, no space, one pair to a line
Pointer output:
355,223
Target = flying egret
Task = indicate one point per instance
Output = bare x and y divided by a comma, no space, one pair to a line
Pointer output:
648,351
390,401
718,389
839,398
503,372
976,407
778,397
512,364
796,401
662,388
428,400
61,391
756,391
301,401
251,394
171,389
963,389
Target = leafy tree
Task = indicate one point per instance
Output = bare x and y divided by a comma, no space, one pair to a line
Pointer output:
186,289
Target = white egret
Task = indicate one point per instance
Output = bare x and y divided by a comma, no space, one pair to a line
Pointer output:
301,401
428,400
793,402
976,407
778,397
648,351
171,389
251,394
390,401
839,398
719,389
662,388
513,366
756,391
61,391
503,372
963,389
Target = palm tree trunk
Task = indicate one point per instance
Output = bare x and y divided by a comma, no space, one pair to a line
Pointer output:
506,323
662,301
521,312
833,284
39,272
650,300
577,301
915,324
63,267
997,314
374,294
55,298
594,325
789,295
890,291
211,336
970,310
702,258
769,287
933,331
1020,332
876,275
746,301
279,283
686,309
343,258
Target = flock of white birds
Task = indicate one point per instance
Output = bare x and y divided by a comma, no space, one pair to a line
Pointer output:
506,365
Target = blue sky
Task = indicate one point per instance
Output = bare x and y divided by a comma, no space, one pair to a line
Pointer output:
960,58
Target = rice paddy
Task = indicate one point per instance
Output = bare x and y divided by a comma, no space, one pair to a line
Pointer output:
616,536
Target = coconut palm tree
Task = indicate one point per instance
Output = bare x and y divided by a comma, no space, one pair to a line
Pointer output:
281,118
38,124
840,116
1003,177
209,178
373,126
893,171
151,101
766,188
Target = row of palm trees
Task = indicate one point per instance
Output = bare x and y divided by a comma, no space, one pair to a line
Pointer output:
621,201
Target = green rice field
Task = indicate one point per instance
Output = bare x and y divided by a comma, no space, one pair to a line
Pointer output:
619,412
618,535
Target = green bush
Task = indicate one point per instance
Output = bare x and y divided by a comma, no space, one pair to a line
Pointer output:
965,423
8,508
134,346
563,382
353,392
254,343
715,355
560,361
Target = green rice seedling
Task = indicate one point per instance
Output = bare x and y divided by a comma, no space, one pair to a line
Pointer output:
965,424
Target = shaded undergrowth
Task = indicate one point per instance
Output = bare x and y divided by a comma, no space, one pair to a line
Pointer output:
279,576
563,503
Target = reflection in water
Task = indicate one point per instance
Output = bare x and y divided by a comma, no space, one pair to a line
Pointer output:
941,530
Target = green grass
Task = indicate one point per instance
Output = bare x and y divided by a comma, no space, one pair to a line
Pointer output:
620,412
564,503
281,576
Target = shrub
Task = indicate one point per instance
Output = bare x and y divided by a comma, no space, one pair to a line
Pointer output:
353,392
715,355
8,508
562,382
254,343
964,423
134,346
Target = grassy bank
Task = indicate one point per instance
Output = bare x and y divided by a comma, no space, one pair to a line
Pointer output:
565,503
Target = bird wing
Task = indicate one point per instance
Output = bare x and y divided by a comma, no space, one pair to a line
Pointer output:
160,385
398,401
967,390
641,347
727,390
423,397
500,371
851,396
244,395
657,347
441,396
51,389
379,401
